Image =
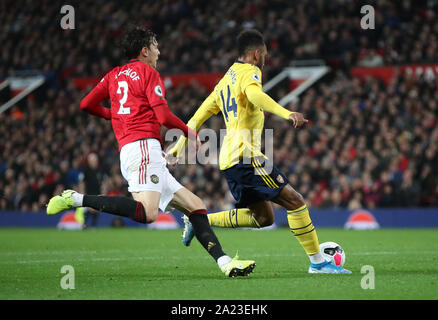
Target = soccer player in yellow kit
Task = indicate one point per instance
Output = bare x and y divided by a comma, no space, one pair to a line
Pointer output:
240,98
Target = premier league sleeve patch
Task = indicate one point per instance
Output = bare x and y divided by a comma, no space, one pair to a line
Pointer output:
158,91
256,77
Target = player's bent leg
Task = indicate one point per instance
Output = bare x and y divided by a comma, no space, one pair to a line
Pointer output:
263,213
234,218
299,221
187,202
260,215
117,205
193,207
302,228
257,215
289,198
150,201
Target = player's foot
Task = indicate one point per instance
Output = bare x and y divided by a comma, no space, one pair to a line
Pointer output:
238,267
60,203
327,267
188,232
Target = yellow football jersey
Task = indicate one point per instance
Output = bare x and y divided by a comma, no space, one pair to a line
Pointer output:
243,119
244,122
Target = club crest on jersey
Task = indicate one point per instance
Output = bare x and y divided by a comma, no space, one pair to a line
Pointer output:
155,179
280,179
256,77
158,91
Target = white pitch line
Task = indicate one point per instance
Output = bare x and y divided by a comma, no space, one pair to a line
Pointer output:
374,253
73,259
391,252
78,251
352,253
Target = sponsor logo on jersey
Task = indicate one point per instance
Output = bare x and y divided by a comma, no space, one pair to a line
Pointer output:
280,179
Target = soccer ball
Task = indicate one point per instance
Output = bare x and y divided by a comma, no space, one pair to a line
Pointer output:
333,252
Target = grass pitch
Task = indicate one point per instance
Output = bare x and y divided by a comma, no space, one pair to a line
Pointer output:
153,264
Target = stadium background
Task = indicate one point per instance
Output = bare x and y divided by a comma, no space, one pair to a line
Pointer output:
372,141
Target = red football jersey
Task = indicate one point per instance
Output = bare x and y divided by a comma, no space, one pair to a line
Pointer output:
138,106
134,89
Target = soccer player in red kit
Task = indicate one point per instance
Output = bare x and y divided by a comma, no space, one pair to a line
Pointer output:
138,110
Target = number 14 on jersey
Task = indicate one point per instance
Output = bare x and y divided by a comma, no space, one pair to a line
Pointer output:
229,107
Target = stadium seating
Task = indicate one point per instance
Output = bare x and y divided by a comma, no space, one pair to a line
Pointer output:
369,144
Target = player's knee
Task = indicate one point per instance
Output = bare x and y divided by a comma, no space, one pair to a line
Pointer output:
151,213
295,199
151,216
197,204
299,200
265,221
265,218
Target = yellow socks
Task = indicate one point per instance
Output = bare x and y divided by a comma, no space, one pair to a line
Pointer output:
236,218
303,229
299,222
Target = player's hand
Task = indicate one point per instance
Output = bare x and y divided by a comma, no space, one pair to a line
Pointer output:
298,119
172,161
193,145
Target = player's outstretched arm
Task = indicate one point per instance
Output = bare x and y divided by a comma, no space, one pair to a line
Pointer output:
260,99
204,112
92,101
166,118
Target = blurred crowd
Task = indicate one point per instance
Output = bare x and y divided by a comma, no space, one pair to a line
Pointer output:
198,36
367,145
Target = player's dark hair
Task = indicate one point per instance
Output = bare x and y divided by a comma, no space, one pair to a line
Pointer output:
135,39
248,40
